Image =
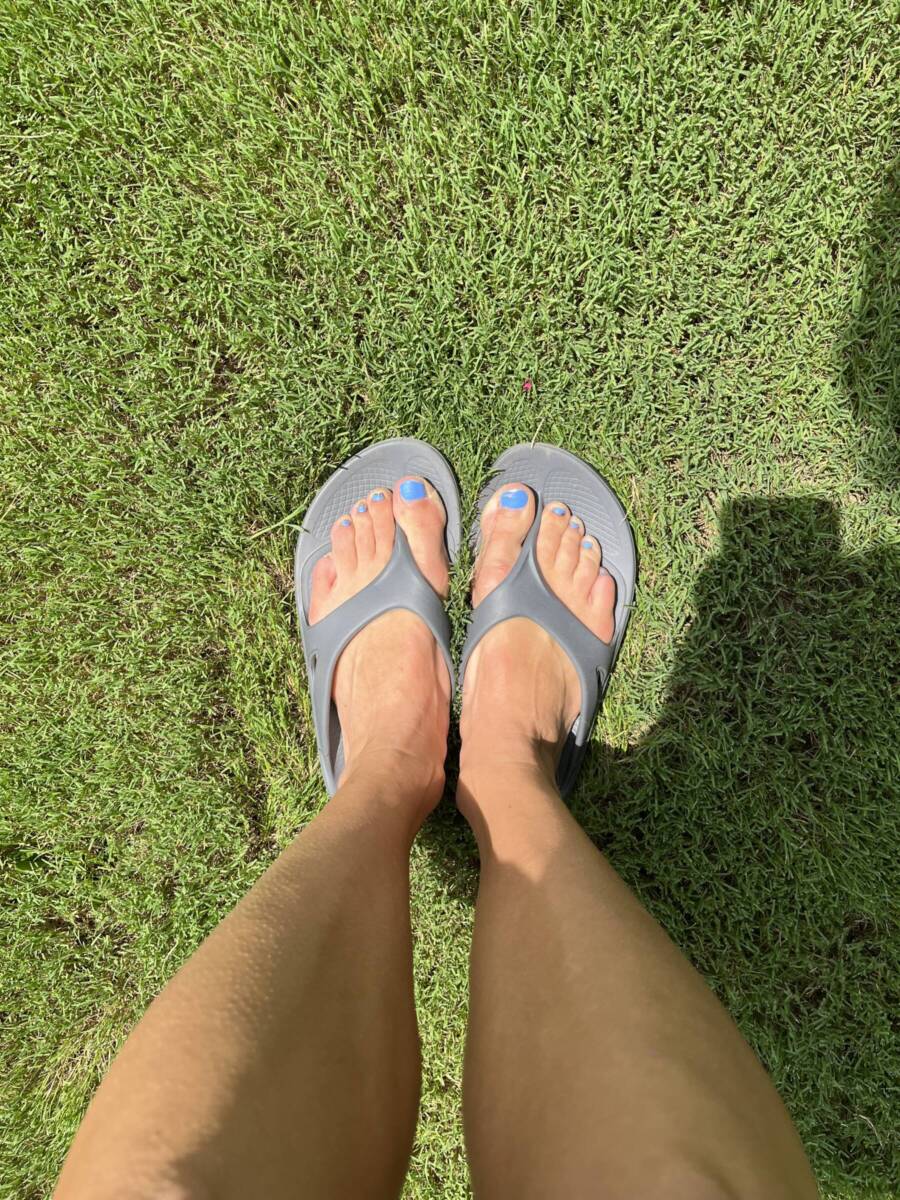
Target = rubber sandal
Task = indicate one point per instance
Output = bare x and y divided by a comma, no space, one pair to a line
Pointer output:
555,474
399,585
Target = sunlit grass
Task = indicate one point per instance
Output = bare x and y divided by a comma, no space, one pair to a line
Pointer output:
241,240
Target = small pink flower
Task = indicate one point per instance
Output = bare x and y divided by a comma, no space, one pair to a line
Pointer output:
527,385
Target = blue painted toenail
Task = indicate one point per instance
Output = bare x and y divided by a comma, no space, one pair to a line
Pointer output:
514,499
588,544
345,520
377,496
412,489
558,510
360,508
574,524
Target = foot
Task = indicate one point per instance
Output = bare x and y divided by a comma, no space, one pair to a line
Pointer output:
391,686
521,694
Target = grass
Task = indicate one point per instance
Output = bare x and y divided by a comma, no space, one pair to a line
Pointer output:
241,239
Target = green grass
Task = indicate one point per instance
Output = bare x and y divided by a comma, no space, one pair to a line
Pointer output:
242,239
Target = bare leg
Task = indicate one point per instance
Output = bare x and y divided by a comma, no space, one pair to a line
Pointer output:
598,1063
283,1059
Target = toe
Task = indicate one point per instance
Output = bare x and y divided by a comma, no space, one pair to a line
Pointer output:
588,565
381,511
554,521
365,532
323,576
343,544
323,573
506,519
603,605
570,546
419,511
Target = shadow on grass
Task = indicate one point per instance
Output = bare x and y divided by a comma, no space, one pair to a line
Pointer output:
757,818
870,352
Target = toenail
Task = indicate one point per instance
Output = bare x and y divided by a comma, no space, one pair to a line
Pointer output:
345,520
360,508
558,510
515,498
588,544
574,523
412,489
377,496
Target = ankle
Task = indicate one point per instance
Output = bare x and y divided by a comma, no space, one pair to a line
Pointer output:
488,758
396,778
515,812
489,786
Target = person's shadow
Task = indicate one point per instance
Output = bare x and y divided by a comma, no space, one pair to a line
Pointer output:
869,354
758,817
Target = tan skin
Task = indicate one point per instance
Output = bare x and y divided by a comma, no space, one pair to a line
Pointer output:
283,1061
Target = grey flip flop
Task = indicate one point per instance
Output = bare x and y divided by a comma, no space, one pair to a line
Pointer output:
399,585
555,474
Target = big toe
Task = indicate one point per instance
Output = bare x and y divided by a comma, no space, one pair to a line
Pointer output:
506,519
419,511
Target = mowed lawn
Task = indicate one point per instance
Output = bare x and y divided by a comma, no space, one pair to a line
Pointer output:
240,239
